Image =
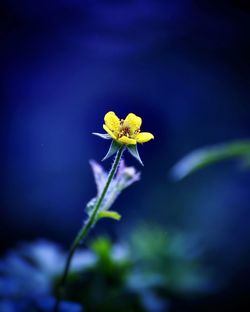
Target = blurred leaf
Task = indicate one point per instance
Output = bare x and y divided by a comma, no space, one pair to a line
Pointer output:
47,304
167,260
100,176
109,214
102,247
203,157
246,162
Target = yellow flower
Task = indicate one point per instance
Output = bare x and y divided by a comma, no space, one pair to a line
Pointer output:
126,131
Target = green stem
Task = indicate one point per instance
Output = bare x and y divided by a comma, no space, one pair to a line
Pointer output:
86,227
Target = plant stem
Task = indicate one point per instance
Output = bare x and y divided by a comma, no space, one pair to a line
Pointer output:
86,227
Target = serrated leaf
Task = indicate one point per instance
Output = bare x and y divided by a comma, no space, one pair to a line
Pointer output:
109,214
114,147
201,158
105,136
134,152
100,176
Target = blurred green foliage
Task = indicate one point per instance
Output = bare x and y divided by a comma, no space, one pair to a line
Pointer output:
152,269
145,274
170,259
203,157
102,287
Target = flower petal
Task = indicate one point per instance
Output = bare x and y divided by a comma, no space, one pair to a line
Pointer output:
109,132
143,137
127,141
112,121
133,122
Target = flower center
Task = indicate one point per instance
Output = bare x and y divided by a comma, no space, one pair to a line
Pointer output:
125,130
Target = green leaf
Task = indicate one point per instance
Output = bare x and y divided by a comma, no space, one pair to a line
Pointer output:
102,247
134,152
105,136
114,147
109,214
203,157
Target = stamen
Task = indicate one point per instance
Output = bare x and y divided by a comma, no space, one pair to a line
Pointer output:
124,131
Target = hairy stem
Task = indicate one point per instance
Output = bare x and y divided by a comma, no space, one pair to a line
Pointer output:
86,227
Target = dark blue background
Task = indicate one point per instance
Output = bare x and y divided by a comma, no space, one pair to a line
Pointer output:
183,66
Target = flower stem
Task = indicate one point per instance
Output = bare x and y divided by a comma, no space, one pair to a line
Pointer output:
86,227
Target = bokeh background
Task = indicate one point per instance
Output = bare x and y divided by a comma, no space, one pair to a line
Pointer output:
182,65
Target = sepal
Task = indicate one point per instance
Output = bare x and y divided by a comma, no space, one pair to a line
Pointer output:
134,152
114,147
104,136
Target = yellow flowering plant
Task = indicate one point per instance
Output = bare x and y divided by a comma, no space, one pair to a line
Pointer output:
125,134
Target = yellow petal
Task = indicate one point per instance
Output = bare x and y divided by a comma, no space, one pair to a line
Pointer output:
133,122
127,141
109,132
112,121
143,137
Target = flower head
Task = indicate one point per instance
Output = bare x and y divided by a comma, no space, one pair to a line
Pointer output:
126,131
125,134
